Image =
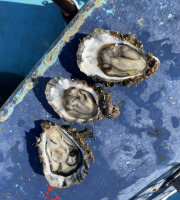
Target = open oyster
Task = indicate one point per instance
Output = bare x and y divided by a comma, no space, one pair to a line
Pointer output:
64,153
76,102
112,57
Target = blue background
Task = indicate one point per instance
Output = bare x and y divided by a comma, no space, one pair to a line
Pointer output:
175,197
27,30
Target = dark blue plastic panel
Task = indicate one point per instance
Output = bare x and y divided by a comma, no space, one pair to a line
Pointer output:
131,151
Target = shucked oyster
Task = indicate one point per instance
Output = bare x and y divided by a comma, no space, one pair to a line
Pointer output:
76,102
115,58
64,153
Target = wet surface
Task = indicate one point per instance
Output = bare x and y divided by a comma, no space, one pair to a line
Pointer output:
132,150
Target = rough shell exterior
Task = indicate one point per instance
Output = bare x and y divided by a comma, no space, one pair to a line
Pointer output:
55,91
89,64
80,140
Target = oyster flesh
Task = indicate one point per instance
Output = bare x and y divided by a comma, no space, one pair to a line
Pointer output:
64,153
76,102
112,57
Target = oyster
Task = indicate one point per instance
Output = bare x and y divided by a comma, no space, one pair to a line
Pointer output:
112,57
76,102
64,153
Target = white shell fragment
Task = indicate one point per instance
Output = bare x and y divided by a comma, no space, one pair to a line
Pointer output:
76,102
115,58
64,158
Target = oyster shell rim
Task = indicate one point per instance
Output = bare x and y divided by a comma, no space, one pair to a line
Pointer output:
131,40
75,83
61,180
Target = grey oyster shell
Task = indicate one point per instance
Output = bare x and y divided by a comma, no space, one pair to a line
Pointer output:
64,153
112,57
76,102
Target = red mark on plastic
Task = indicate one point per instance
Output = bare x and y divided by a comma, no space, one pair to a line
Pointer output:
57,197
50,188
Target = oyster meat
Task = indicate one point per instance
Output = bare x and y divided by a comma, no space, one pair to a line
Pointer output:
76,102
112,57
64,153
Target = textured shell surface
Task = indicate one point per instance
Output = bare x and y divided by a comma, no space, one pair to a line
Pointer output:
115,58
76,102
65,160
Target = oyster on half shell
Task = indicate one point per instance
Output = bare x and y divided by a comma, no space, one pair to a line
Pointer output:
64,153
113,57
76,102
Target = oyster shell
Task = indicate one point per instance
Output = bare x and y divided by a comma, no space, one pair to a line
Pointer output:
64,153
112,57
76,102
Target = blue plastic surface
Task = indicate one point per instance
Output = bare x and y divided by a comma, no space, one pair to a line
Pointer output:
175,197
132,150
28,29
26,33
